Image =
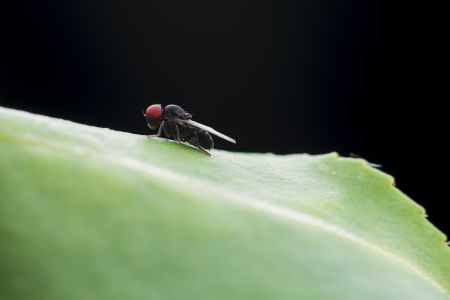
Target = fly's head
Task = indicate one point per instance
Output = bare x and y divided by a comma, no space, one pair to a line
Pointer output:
153,115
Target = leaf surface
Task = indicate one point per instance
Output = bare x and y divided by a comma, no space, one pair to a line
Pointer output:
92,213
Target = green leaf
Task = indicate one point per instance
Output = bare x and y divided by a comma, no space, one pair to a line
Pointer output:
91,213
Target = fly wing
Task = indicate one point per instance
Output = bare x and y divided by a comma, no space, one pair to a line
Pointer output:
206,128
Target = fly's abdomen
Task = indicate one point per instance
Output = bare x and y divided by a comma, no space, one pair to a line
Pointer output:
205,140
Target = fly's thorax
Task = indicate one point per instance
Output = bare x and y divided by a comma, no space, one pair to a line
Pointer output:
173,111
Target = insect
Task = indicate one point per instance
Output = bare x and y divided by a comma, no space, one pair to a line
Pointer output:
177,124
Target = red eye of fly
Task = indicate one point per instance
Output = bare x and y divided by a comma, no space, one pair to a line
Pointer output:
154,112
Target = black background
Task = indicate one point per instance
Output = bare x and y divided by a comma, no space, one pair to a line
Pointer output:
279,76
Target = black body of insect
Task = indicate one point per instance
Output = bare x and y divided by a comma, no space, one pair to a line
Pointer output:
178,124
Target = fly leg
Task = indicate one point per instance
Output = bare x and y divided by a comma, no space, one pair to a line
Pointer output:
197,144
203,150
159,131
177,137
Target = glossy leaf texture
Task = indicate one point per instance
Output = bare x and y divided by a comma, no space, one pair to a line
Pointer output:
92,213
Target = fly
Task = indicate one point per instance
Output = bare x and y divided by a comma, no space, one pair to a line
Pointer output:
178,125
